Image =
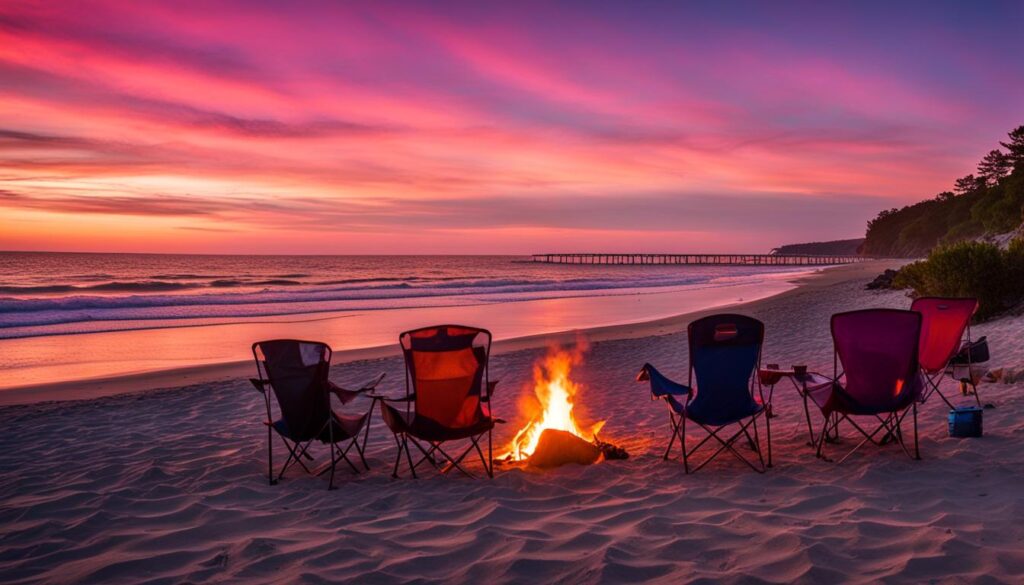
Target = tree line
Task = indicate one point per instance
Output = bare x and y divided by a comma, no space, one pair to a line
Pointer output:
988,201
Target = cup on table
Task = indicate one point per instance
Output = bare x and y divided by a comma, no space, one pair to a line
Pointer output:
800,370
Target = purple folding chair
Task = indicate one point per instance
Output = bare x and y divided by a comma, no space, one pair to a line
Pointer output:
879,377
943,327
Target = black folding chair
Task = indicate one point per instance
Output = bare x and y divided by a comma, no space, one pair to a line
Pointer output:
296,372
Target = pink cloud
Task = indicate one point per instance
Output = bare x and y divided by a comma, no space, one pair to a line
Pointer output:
387,119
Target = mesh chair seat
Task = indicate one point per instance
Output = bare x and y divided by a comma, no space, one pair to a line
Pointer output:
832,398
715,418
820,393
345,428
424,428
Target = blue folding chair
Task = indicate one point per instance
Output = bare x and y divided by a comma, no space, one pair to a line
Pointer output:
725,353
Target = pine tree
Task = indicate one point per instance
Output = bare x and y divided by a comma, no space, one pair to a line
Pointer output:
1015,148
967,184
994,166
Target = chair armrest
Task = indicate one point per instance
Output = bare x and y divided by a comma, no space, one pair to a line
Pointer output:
344,395
661,386
260,385
365,387
771,377
372,384
490,390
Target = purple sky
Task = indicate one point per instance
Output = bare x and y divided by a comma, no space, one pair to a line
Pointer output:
489,128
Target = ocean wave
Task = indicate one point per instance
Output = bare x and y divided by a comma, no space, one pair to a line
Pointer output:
230,283
155,286
191,276
17,312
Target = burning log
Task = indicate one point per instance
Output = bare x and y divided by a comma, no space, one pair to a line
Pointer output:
553,436
557,448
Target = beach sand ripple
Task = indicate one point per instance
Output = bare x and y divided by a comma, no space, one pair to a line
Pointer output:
169,487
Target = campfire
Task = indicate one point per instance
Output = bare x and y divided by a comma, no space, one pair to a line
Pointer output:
553,435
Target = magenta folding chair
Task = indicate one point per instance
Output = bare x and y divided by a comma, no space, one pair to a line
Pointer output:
944,323
875,375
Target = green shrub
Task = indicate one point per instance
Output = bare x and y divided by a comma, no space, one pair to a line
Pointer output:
1015,267
912,276
969,269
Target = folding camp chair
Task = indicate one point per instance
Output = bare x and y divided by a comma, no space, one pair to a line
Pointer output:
879,378
944,323
448,398
725,352
297,374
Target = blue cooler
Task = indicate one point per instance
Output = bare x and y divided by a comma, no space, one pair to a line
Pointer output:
965,422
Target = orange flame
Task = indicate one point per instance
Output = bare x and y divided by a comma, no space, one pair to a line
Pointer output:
555,392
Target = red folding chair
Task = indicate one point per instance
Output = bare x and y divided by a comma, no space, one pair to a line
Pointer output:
945,330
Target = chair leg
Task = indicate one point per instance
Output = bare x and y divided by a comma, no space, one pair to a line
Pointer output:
757,440
408,456
362,454
366,439
343,454
810,429
682,443
917,447
480,452
490,457
675,429
768,432
935,390
453,463
974,388
750,440
821,439
270,457
398,457
728,445
330,482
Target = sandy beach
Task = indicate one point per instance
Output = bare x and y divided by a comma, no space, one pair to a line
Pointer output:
169,486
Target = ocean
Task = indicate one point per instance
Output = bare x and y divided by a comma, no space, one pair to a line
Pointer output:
71,316
56,293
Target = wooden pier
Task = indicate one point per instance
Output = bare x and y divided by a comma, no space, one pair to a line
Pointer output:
699,259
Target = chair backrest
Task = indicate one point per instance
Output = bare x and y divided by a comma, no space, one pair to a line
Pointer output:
878,350
446,368
943,322
724,352
297,371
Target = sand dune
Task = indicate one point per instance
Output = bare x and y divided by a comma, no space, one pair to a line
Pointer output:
168,486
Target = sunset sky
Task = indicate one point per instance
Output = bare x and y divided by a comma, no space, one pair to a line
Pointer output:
483,127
